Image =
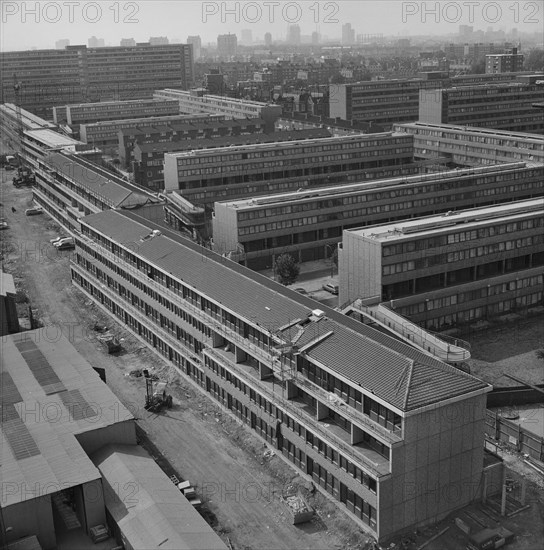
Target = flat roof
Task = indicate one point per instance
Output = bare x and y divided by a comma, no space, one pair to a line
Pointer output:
152,120
29,119
233,141
268,201
393,371
470,130
49,395
120,102
234,101
300,142
451,221
50,138
156,514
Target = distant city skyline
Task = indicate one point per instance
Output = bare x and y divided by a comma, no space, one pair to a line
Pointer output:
27,25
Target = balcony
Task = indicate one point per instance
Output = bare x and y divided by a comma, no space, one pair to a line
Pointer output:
304,413
333,402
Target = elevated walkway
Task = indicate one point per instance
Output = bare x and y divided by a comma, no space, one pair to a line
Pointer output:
446,348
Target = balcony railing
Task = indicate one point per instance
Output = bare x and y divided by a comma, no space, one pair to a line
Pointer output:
313,425
332,401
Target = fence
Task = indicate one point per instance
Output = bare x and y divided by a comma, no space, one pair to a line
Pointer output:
514,435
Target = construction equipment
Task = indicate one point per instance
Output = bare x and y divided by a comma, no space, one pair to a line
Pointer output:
111,342
156,397
24,176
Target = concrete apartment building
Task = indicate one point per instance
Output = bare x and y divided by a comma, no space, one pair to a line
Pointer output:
468,146
506,106
70,461
385,429
105,134
86,113
9,124
69,187
159,130
504,62
387,102
208,175
197,102
79,74
309,225
453,269
148,163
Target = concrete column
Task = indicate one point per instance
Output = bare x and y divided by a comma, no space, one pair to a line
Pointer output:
322,411
292,390
356,434
239,354
264,371
217,340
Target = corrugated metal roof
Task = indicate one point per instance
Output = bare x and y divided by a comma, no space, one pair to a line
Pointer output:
149,509
389,368
34,418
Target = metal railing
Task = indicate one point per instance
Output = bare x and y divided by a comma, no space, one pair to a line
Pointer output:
339,405
414,334
311,423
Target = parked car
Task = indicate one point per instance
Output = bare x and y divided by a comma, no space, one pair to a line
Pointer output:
57,239
300,290
34,211
331,287
67,245
63,241
3,224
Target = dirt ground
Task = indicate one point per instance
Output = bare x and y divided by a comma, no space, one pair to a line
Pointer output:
237,477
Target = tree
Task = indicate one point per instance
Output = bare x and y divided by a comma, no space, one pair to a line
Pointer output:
287,269
540,353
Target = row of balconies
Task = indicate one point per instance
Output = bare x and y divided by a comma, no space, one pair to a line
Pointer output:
268,364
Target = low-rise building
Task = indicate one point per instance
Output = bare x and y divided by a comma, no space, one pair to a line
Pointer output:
85,113
105,134
470,146
505,106
385,429
388,102
208,175
55,412
452,269
309,224
198,102
148,158
11,126
69,187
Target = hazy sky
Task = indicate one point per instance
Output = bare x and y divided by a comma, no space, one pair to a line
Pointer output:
27,24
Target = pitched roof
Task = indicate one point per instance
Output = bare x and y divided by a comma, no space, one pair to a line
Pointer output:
106,187
149,509
49,395
394,371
